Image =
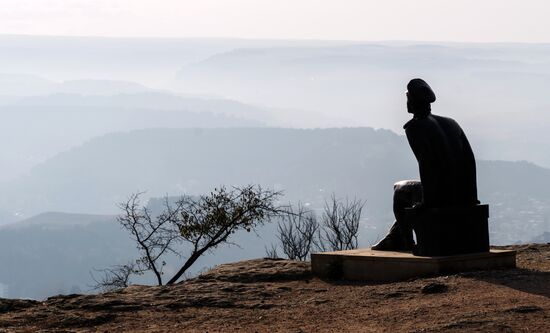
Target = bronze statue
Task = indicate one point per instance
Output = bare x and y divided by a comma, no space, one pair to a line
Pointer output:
446,164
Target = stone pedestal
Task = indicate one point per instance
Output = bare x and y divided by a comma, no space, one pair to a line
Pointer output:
370,265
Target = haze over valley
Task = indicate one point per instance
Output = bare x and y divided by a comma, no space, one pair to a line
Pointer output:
88,121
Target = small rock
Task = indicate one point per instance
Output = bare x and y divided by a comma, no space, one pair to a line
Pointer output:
262,306
393,295
525,309
320,301
434,288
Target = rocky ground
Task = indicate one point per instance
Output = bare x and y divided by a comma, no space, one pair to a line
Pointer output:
281,296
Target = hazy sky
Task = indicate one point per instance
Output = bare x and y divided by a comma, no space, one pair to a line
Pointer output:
441,20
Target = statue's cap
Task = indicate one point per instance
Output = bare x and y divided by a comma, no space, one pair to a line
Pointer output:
419,91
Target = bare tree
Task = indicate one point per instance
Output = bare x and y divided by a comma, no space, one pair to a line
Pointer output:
340,224
202,223
114,278
296,232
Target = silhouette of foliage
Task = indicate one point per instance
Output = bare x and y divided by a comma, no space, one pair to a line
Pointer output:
208,221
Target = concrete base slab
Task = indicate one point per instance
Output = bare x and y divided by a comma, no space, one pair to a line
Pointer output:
371,265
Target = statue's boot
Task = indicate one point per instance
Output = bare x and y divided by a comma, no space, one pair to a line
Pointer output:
398,239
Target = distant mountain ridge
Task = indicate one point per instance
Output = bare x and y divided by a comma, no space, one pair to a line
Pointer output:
59,219
38,127
16,84
308,165
55,252
495,91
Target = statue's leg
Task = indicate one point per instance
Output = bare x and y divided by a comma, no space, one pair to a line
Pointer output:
406,194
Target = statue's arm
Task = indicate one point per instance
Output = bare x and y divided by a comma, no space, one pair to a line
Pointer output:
421,149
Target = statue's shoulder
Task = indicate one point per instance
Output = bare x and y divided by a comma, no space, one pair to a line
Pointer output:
446,121
409,123
443,119
426,123
417,123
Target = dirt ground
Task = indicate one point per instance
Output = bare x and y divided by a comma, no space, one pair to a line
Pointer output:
281,296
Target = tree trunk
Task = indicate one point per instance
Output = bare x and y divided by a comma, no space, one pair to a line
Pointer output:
194,256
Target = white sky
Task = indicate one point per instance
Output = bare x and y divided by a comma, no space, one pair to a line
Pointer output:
428,20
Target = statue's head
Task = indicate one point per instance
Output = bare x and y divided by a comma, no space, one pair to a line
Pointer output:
419,97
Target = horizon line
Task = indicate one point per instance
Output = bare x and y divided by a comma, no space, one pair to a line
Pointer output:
276,39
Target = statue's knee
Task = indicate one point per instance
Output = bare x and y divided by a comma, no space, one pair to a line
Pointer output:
407,185
406,193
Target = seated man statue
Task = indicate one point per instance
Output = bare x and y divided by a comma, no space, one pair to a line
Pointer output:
446,164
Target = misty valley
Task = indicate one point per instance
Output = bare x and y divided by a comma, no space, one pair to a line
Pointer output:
84,130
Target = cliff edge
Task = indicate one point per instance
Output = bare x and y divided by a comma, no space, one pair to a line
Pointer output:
266,295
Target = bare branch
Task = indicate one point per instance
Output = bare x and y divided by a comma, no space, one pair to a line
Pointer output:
153,236
114,278
271,252
296,232
340,221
